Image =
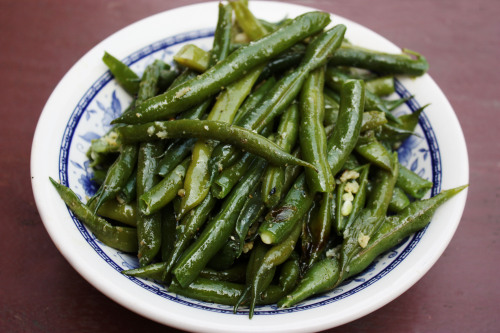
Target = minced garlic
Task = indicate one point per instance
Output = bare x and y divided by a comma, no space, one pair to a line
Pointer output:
363,240
182,92
349,174
162,134
352,187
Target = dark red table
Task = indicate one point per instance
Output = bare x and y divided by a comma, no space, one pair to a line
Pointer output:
39,42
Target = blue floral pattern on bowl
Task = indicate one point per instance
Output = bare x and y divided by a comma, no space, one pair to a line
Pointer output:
105,100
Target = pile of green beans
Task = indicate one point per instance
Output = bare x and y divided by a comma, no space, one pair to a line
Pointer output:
258,173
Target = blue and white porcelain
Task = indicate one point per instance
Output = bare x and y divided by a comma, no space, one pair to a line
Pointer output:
88,98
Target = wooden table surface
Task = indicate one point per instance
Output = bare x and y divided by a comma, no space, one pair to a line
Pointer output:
41,40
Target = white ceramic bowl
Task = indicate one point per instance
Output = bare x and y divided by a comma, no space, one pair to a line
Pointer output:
87,98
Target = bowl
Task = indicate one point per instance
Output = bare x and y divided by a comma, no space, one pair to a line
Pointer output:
87,99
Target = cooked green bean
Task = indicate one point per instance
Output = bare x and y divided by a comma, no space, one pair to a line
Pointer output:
399,200
117,176
280,221
381,86
252,27
164,191
346,132
382,63
274,177
193,57
312,136
122,73
412,183
121,238
148,224
121,212
208,129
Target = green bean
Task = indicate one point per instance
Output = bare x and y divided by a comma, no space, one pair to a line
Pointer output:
372,120
123,213
108,143
288,277
226,256
200,60
272,181
381,86
129,192
207,290
117,176
192,57
291,174
226,180
224,292
235,273
340,221
351,163
148,224
168,232
151,271
331,109
346,132
280,221
412,184
164,191
98,176
379,62
247,21
221,46
275,256
284,62
149,87
399,200
183,77
250,213
122,73
320,226
372,150
176,152
120,238
312,136
166,79
395,103
321,277
399,132
207,129
228,70
221,292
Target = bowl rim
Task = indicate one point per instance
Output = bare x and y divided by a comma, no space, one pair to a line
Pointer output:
109,289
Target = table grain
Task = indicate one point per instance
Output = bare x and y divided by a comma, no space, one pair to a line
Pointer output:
41,40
